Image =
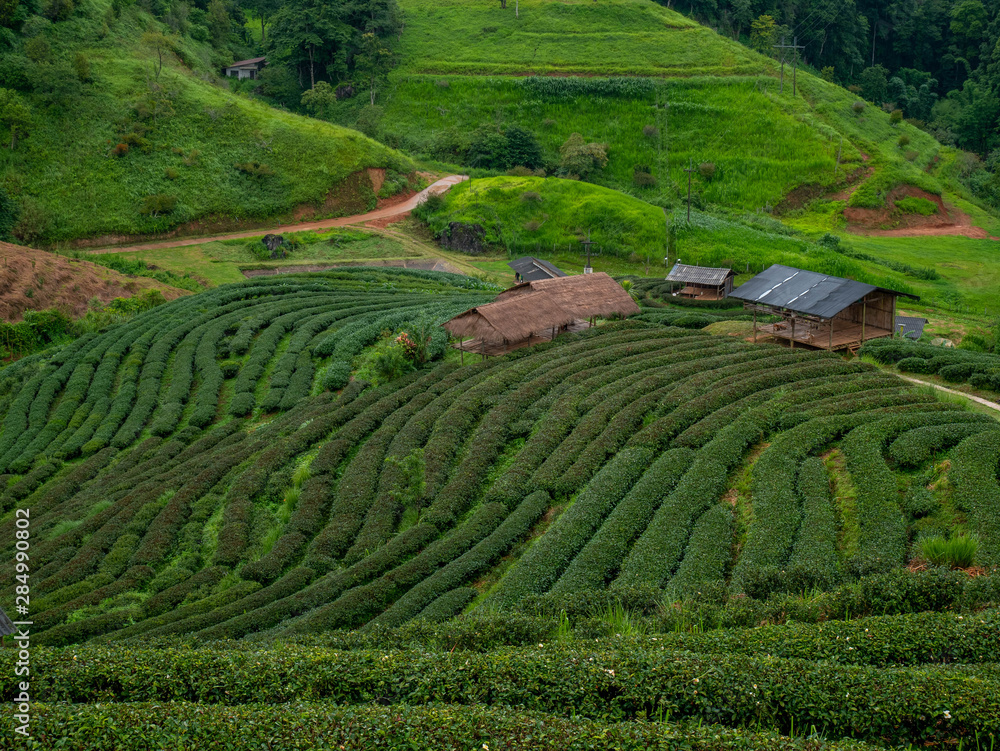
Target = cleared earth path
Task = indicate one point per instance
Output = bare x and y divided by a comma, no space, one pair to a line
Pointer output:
411,203
977,399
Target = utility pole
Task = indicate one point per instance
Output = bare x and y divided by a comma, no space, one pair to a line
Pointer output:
795,46
689,170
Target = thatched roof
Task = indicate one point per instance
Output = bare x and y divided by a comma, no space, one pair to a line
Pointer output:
511,320
583,295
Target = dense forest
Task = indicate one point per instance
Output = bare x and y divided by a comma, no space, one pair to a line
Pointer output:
938,61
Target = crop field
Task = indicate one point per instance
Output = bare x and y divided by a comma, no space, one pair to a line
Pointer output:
211,472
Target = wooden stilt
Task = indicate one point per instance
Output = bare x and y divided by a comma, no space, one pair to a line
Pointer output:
793,332
755,325
864,314
461,350
831,335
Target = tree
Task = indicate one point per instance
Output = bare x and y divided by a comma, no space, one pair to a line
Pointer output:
311,33
8,10
263,9
579,158
969,22
14,115
373,62
522,148
763,33
319,98
218,22
874,83
159,44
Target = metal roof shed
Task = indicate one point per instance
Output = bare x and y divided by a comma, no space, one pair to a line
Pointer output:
701,282
819,310
534,269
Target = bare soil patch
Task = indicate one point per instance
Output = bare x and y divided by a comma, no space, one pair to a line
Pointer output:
36,280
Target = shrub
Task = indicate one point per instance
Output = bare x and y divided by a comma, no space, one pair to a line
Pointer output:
643,179
650,131
532,196
911,155
520,172
916,205
912,365
904,140
958,552
171,174
254,169
896,117
707,170
158,204
579,158
337,375
858,107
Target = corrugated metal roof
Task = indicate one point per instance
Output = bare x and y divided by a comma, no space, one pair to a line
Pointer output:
251,61
911,328
806,292
534,269
698,275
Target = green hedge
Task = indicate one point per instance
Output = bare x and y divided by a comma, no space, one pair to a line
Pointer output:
321,725
646,680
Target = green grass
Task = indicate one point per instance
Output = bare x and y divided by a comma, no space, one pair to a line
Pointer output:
66,171
621,37
914,205
628,230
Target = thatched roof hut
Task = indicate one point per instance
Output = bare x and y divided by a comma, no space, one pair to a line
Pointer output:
584,295
510,320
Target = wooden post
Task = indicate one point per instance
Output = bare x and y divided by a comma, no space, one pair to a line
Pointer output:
793,332
831,334
864,315
755,325
893,316
461,350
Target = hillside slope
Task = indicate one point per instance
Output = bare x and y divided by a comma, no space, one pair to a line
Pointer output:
37,280
120,147
677,94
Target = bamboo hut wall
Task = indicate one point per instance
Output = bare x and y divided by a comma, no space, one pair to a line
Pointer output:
875,308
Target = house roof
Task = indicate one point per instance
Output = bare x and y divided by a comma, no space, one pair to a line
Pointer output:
583,295
699,275
806,292
912,328
511,320
251,61
534,269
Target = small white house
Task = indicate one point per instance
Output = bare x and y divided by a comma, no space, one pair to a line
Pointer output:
246,68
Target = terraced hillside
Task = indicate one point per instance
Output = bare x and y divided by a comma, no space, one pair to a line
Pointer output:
210,471
167,497
657,88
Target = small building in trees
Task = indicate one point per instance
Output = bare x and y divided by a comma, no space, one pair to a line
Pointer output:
529,269
702,283
246,68
817,310
539,311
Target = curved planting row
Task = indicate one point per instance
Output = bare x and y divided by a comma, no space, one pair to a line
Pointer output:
192,474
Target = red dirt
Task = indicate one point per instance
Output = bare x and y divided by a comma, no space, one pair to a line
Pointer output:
386,221
397,210
886,222
350,196
36,279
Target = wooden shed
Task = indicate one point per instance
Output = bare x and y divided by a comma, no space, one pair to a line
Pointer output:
530,269
539,311
702,282
817,310
246,68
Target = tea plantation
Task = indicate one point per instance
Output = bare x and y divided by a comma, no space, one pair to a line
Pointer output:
236,544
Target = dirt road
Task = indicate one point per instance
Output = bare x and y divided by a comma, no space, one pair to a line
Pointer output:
438,187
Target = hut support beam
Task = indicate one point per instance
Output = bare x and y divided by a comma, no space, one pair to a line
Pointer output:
755,325
793,332
831,334
864,315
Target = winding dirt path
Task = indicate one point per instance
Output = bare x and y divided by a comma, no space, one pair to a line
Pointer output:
977,399
388,212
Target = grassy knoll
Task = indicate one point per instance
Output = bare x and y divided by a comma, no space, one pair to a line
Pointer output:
97,153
